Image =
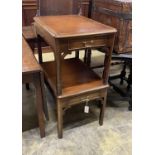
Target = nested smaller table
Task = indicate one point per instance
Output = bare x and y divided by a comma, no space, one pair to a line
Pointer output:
32,72
72,81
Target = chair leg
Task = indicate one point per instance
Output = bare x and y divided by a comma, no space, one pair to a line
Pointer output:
102,109
123,73
27,86
130,102
60,119
129,81
130,105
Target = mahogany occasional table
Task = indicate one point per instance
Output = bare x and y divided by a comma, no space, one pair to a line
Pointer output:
72,81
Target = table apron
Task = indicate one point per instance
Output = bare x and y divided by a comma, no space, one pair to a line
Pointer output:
70,101
72,44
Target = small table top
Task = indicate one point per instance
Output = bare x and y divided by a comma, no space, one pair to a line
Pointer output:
29,63
72,25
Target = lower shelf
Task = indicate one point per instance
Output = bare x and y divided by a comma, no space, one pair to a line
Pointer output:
75,75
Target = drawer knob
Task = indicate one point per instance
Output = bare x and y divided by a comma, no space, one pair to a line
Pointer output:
85,99
88,44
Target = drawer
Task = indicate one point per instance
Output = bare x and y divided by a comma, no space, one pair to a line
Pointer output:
86,43
70,101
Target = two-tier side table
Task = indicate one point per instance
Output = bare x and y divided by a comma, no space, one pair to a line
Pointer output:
71,80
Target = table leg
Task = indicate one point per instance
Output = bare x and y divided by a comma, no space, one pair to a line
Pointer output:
77,54
60,119
43,96
87,57
39,49
102,109
39,104
27,86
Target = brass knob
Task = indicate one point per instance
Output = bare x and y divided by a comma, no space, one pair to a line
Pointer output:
92,41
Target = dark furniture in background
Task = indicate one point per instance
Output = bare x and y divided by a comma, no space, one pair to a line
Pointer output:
29,10
32,72
63,7
125,76
71,80
116,13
